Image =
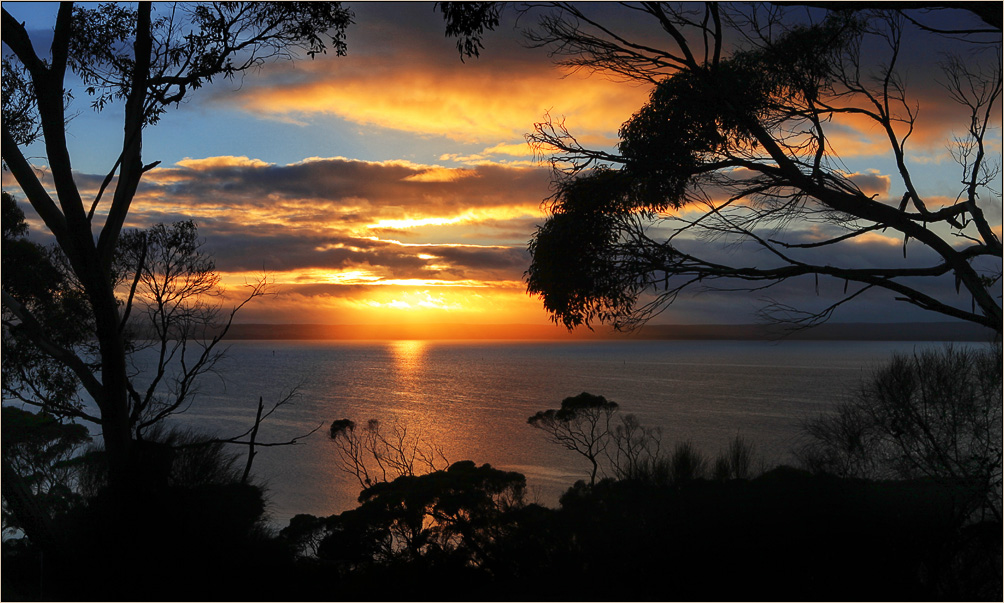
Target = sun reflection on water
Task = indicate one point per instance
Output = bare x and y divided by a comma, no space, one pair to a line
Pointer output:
408,356
425,401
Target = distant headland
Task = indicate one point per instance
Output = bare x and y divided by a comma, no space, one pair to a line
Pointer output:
912,331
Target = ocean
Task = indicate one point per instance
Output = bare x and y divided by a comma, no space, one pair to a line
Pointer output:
473,398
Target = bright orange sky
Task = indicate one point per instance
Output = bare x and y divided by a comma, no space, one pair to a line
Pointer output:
394,185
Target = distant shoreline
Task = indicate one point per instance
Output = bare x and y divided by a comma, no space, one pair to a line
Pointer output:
933,331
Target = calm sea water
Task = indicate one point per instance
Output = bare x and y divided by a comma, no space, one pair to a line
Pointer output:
473,399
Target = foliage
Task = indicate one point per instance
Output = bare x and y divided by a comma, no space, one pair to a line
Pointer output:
936,414
167,287
832,537
196,43
686,463
452,516
739,145
35,280
737,461
40,453
628,450
19,111
468,21
837,536
147,58
581,425
635,449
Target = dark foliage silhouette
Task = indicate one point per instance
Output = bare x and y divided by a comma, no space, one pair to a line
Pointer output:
145,60
582,425
935,414
738,145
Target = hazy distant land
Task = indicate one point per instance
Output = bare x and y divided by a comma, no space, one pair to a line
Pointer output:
913,331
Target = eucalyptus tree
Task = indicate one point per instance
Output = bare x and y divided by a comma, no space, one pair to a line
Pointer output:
146,58
738,149
581,425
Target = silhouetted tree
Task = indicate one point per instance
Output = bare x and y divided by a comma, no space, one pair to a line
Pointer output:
585,424
374,454
737,461
170,306
634,449
737,144
147,61
40,457
454,516
33,279
935,414
581,425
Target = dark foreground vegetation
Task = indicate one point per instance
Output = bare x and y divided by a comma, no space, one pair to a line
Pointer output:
898,498
456,535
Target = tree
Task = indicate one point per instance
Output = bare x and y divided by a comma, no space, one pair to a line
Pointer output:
375,455
737,145
935,414
171,306
40,454
169,315
34,279
635,449
147,62
456,514
169,288
581,425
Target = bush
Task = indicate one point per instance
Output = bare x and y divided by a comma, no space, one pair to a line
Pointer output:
936,414
735,462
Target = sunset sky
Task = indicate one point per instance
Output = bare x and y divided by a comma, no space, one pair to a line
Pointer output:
394,185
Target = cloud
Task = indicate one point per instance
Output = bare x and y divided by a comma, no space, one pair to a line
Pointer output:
466,105
392,223
871,182
440,174
209,163
516,150
334,220
387,188
398,77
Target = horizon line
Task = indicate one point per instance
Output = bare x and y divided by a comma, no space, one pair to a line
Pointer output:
862,331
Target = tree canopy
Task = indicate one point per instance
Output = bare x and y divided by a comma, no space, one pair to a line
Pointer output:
738,150
144,58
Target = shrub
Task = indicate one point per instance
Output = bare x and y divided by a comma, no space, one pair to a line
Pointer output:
935,414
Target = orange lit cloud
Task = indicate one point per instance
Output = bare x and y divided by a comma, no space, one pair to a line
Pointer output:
209,163
464,102
393,223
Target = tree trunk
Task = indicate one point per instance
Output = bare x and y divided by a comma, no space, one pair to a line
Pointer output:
114,404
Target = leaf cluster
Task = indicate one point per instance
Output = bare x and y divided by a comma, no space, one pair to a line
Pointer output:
582,406
36,277
468,22
42,452
575,263
20,111
195,43
454,512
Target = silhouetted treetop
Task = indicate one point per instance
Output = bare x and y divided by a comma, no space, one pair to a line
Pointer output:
145,57
740,144
574,406
468,21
